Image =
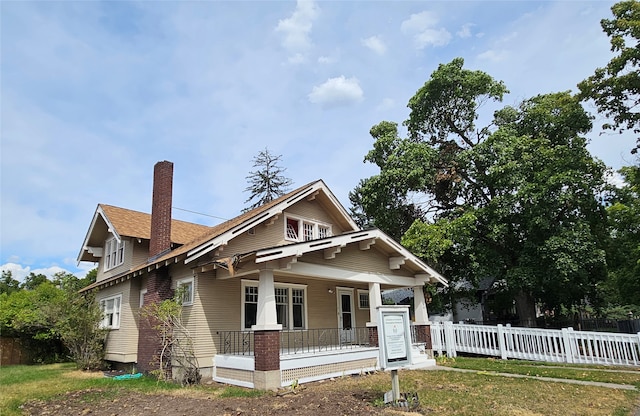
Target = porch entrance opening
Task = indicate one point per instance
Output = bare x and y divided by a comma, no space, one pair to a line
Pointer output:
346,315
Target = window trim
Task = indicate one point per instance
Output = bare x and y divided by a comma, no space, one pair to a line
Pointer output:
142,293
366,293
118,313
187,281
290,287
300,232
114,254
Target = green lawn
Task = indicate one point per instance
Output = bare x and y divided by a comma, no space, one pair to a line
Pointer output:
604,374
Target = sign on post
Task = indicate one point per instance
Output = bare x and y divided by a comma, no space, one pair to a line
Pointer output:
394,336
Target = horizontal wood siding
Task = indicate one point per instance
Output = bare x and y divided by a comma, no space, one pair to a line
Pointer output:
314,211
124,341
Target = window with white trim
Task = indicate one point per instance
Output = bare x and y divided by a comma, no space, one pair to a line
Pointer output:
142,293
290,305
111,311
301,229
114,253
363,299
186,288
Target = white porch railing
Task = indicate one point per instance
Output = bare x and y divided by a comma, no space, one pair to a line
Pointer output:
534,344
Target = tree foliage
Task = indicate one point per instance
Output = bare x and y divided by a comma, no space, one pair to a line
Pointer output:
623,251
267,182
615,88
514,201
52,313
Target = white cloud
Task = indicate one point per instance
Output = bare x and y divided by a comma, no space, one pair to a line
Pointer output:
422,27
465,30
493,55
326,60
337,92
386,104
297,28
19,272
296,59
376,44
418,22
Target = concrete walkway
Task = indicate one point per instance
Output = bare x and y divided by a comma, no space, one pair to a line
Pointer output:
550,379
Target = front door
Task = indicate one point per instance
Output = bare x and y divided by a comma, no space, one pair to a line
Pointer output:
346,318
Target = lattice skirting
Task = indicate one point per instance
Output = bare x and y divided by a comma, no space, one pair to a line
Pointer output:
234,374
317,371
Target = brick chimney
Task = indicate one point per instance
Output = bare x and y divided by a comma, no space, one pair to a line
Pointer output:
158,279
161,209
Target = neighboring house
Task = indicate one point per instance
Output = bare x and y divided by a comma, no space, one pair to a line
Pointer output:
287,291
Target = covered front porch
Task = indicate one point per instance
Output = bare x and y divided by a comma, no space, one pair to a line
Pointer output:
309,355
309,310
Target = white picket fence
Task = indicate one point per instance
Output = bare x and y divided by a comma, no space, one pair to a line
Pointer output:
552,345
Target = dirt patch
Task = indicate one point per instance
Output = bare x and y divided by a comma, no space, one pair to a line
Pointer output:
314,399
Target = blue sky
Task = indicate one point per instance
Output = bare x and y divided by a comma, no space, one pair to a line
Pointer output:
93,94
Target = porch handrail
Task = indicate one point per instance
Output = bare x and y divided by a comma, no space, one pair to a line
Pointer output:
300,341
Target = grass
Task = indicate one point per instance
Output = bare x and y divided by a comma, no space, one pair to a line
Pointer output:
45,382
603,374
440,392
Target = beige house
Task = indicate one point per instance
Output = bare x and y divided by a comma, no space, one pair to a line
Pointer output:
285,292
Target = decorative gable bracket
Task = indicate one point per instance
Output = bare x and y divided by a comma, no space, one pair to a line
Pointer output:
396,262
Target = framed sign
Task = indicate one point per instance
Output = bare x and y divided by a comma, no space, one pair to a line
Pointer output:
394,336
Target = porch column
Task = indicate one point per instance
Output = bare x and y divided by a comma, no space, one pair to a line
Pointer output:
375,301
267,319
422,325
266,336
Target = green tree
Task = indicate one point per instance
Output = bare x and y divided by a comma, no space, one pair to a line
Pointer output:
514,201
267,182
8,284
623,251
53,315
33,280
615,89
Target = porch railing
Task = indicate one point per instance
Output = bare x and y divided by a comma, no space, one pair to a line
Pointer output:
301,341
235,342
298,341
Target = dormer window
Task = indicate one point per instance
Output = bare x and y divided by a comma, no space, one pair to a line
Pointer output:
301,229
114,253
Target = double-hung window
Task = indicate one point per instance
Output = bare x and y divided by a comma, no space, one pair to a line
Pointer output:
186,289
111,311
114,253
301,229
363,299
290,305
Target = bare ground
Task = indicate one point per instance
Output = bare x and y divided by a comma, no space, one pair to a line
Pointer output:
314,399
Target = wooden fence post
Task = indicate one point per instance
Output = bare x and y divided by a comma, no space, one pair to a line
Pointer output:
568,348
502,342
450,339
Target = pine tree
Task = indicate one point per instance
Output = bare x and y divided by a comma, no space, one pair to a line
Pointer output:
267,182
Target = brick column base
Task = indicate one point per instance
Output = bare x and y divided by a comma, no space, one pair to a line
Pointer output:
266,350
373,336
423,334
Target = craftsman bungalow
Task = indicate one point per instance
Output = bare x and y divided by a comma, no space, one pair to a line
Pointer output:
287,291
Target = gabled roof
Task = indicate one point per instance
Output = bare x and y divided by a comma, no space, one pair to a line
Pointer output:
122,222
220,235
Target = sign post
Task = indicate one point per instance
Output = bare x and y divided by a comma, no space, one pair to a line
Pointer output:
394,339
